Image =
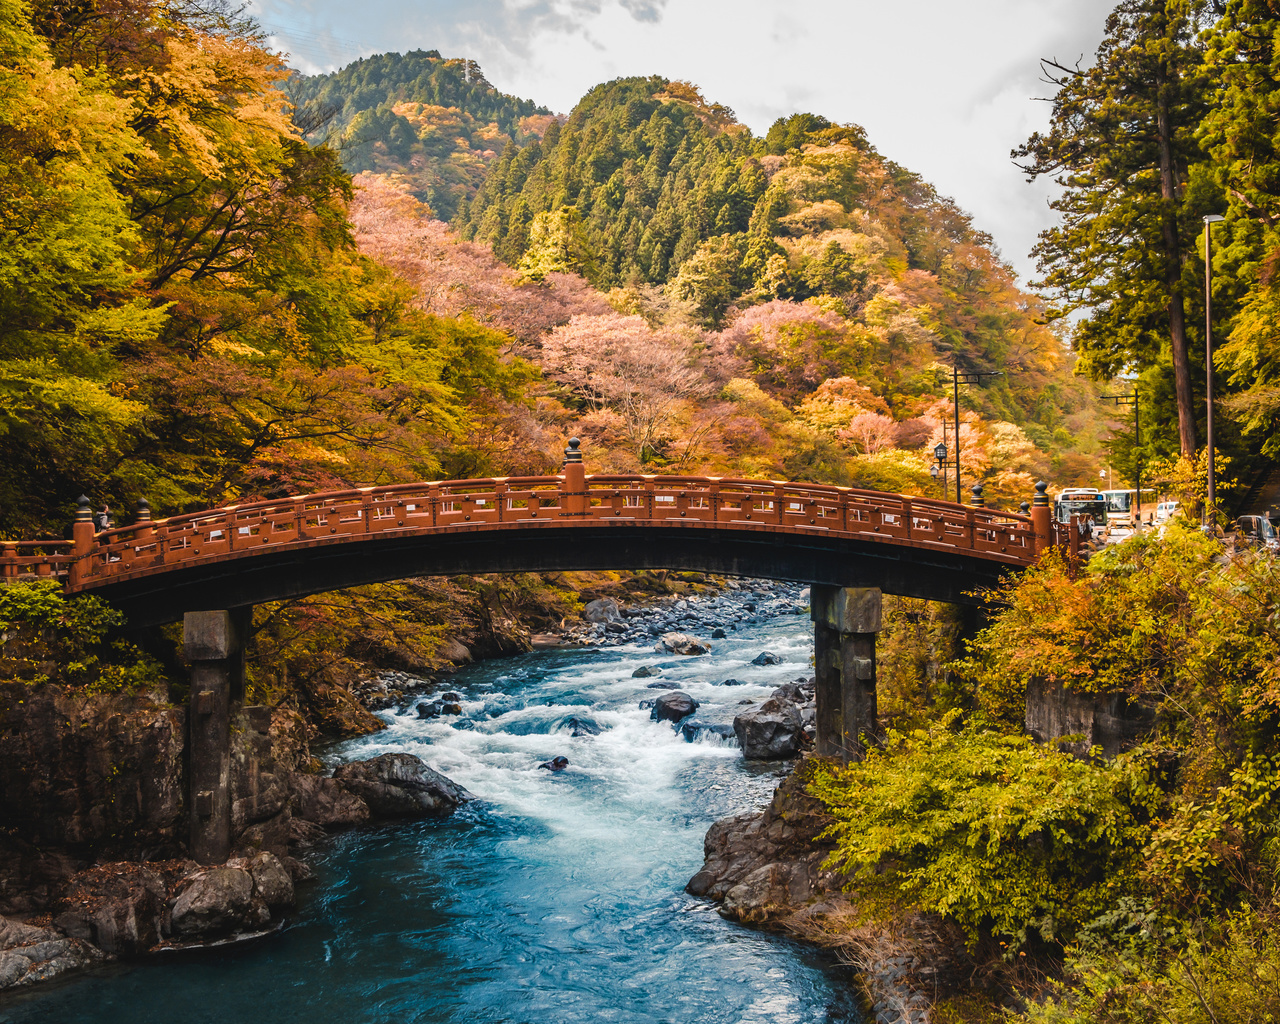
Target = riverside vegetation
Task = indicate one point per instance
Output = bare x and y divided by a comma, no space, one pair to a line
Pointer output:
199,305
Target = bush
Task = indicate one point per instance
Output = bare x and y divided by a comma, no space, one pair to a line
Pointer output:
44,636
1002,834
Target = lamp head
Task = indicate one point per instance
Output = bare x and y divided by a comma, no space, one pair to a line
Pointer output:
940,453
1213,218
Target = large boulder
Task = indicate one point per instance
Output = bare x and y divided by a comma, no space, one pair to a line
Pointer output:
603,610
272,883
645,672
682,643
767,658
401,786
771,732
119,907
327,802
29,954
673,706
217,901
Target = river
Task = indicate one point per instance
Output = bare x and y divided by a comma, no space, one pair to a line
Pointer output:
552,899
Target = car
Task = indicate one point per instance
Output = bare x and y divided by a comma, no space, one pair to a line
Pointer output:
1257,532
1166,510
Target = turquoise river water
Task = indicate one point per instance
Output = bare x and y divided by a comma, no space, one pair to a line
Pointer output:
553,899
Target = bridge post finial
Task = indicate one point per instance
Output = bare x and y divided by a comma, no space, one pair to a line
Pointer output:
977,501
82,533
142,511
1041,519
573,482
1024,508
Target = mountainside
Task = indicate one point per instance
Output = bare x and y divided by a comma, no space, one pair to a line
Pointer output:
432,122
649,185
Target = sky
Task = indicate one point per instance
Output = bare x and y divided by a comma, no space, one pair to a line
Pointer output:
944,87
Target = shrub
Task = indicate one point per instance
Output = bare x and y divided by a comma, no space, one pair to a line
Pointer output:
1002,834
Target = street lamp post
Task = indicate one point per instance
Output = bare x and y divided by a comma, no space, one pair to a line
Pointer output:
1210,497
959,377
940,453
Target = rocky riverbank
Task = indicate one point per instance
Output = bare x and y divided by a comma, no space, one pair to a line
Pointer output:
91,864
765,869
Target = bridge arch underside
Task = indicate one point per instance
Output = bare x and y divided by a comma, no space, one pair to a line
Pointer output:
256,577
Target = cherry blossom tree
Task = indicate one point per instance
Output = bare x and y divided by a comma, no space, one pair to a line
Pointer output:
620,363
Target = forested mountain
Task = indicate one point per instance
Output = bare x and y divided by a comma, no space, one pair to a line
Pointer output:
649,185
436,124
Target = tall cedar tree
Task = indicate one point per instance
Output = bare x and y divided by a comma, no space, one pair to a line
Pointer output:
1122,144
1242,132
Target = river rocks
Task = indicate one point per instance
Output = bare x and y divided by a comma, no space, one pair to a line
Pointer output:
435,708
582,726
401,786
672,707
327,802
682,643
603,610
272,882
233,898
646,672
215,902
121,908
785,832
733,682
692,728
771,732
663,685
29,954
767,658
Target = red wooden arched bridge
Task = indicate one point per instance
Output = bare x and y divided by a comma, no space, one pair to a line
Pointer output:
242,555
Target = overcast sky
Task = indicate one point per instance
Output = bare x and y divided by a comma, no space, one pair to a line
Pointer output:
943,87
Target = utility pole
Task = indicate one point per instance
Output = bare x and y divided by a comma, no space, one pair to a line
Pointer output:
959,377
1210,496
1122,401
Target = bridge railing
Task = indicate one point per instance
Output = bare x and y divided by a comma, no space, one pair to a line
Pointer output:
23,559
308,520
808,507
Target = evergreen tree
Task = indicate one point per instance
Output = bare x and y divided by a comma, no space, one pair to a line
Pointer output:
1123,145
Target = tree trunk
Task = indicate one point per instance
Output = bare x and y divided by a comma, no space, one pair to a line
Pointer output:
1173,273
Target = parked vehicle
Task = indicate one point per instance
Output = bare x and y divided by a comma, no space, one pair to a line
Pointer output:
1081,501
1166,510
1257,532
1119,508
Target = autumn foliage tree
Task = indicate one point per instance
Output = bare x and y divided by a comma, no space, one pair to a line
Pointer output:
620,363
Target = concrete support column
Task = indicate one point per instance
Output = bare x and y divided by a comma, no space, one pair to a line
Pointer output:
845,623
213,642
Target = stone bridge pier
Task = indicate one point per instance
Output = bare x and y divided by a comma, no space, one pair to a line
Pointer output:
213,642
845,623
